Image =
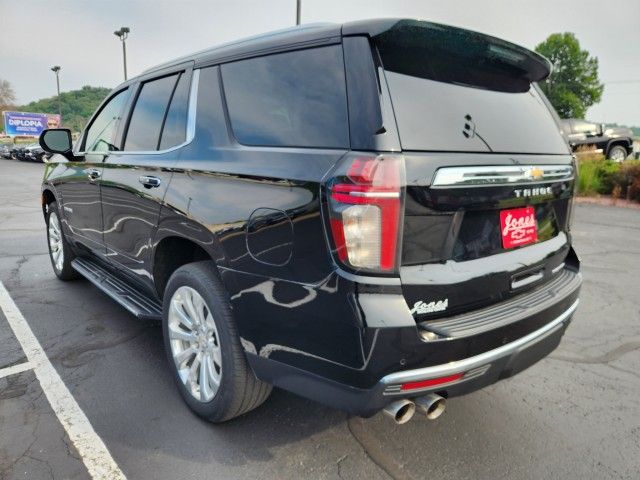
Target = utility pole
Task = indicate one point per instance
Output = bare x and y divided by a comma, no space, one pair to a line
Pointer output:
298,8
56,70
122,34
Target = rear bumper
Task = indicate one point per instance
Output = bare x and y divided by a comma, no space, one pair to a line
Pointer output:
503,361
477,372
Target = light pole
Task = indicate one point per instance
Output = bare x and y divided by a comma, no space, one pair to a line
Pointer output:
298,8
123,33
56,70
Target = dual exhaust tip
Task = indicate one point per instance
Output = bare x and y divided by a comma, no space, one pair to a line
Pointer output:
401,411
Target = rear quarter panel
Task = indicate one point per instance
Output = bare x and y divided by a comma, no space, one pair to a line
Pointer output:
256,210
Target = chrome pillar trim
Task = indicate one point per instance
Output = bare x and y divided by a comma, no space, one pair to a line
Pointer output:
458,177
191,124
478,360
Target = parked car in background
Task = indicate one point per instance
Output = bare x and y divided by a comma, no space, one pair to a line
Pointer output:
298,210
19,152
13,151
5,150
32,152
35,153
615,143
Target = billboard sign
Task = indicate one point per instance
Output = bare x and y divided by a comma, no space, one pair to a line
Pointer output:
29,124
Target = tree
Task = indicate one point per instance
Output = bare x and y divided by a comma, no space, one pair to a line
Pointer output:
7,95
77,106
573,85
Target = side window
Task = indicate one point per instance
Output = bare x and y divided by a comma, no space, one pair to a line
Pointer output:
174,131
580,126
102,131
149,113
289,99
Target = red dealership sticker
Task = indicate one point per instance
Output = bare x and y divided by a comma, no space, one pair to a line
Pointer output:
518,227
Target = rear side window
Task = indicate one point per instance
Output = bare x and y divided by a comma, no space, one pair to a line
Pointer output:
295,99
149,114
174,131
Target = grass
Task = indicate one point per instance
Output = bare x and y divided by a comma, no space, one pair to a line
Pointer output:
589,179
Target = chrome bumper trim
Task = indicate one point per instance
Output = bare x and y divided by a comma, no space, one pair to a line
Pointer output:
479,360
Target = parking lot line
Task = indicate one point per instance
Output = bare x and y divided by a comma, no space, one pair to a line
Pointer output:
13,369
90,447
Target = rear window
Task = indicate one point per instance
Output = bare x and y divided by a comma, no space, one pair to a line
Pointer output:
457,90
289,99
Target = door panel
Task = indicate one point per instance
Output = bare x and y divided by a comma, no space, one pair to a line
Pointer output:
134,181
130,208
80,186
80,195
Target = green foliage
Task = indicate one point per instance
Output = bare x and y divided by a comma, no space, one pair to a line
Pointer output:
77,106
589,181
608,173
573,85
599,176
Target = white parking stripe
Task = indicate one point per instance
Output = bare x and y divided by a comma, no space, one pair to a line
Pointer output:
92,450
13,369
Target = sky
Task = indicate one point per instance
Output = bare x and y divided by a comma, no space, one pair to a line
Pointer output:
78,35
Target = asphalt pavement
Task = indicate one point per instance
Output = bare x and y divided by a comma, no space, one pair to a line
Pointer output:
575,414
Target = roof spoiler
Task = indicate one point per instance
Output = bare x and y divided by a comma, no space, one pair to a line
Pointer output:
456,41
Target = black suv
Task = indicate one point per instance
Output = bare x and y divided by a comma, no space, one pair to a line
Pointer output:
372,215
616,143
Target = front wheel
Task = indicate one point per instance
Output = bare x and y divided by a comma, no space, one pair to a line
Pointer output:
60,252
203,346
617,153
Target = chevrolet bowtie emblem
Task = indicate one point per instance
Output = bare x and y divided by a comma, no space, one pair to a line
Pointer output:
536,173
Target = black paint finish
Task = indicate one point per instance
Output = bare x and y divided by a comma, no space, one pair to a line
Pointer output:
257,212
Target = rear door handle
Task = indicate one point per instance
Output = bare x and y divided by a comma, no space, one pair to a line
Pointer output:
149,182
93,173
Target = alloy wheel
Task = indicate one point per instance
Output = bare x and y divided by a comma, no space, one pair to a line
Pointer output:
195,344
56,248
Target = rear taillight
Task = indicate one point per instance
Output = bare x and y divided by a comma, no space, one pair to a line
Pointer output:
365,207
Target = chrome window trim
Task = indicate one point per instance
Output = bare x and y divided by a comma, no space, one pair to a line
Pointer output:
460,177
191,125
478,360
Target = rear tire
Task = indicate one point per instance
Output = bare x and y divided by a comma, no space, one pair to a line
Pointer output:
60,252
203,347
617,153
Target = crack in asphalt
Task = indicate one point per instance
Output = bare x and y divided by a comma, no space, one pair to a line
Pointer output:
17,387
373,450
339,466
71,358
14,274
601,359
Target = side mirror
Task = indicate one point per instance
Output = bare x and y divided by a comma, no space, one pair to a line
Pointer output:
57,140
